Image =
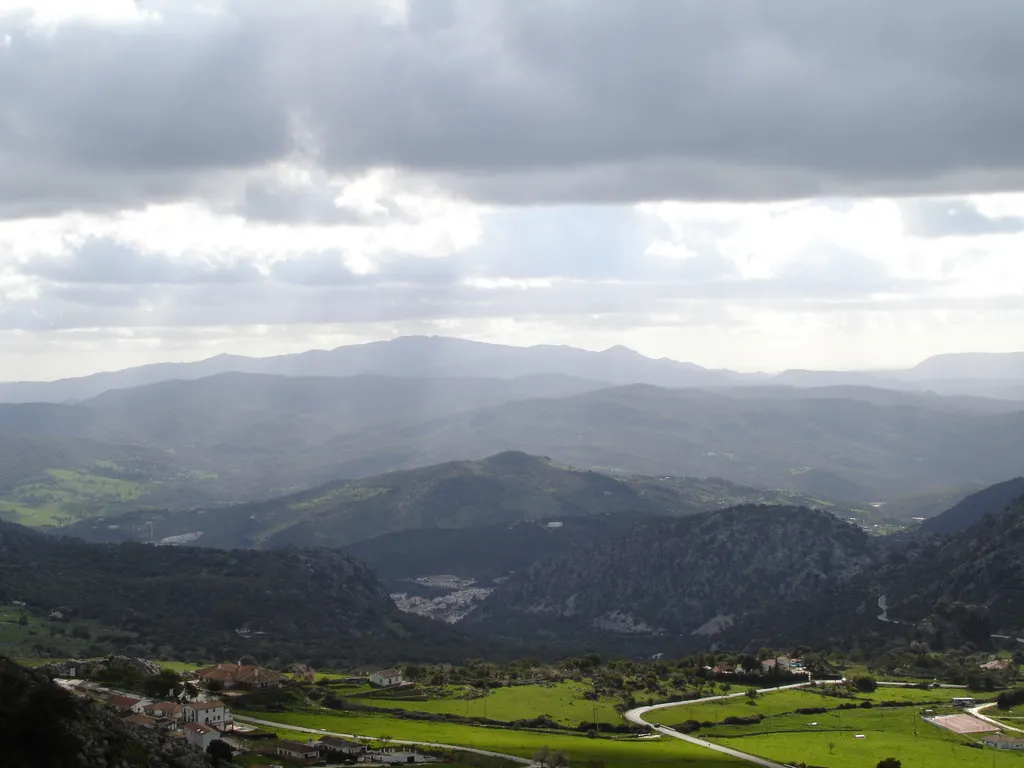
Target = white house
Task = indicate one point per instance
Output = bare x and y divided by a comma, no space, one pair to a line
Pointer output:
212,713
199,735
1001,741
386,677
293,750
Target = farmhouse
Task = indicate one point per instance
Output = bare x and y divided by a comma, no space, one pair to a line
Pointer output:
331,745
245,676
292,750
1001,741
386,677
212,713
144,720
126,704
169,709
199,735
997,665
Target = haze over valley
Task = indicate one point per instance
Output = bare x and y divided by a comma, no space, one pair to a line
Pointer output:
493,383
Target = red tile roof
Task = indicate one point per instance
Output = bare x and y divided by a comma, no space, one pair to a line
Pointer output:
122,702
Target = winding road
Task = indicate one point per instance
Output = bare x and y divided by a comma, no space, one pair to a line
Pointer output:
976,711
636,716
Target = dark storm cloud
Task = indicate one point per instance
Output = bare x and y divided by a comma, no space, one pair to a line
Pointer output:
524,101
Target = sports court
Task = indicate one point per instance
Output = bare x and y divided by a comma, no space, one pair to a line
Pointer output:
963,724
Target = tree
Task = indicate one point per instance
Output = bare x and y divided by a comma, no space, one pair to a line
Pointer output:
865,683
558,760
214,685
23,620
218,750
540,756
889,762
751,695
831,747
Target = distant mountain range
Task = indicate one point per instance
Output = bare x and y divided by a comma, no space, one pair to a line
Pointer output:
240,437
976,374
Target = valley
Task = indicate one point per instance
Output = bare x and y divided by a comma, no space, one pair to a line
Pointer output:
538,558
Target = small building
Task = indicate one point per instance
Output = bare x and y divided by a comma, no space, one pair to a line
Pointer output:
143,720
168,709
724,669
126,704
296,752
257,678
199,735
334,746
219,674
212,713
1002,741
245,676
963,702
385,678
997,665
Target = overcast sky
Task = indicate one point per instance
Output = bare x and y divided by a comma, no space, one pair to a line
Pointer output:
746,184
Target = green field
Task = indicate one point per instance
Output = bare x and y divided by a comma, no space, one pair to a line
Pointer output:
714,711
39,635
66,495
612,753
888,732
562,702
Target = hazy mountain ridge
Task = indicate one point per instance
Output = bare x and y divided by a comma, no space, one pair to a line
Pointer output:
988,501
509,487
977,374
238,437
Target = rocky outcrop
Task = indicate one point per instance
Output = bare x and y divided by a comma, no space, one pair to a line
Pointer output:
87,669
44,727
682,576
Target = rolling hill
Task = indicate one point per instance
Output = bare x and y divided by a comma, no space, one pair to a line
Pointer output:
166,602
506,488
690,577
239,437
747,578
965,513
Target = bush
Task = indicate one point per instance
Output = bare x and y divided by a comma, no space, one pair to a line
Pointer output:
865,683
1010,699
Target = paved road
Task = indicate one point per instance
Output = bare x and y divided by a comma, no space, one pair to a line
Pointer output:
976,711
636,716
403,742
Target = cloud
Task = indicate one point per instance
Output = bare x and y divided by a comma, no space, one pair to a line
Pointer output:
955,218
513,102
105,261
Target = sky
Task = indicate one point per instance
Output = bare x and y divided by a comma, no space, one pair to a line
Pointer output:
753,184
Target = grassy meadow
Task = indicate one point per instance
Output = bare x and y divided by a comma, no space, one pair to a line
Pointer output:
562,702
612,753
